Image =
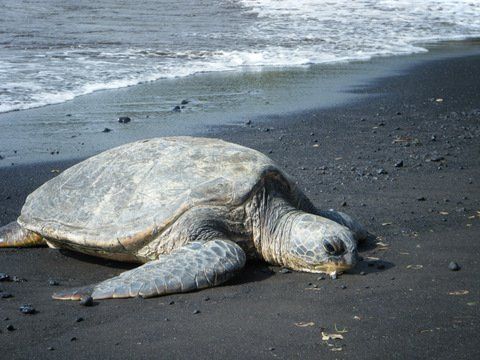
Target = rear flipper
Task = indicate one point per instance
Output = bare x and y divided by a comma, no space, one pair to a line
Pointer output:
195,266
359,231
13,235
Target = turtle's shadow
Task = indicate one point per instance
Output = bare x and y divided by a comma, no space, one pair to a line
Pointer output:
254,271
98,261
368,265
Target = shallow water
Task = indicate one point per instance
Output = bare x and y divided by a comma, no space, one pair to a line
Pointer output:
52,51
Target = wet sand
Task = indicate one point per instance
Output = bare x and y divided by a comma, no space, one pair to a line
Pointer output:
408,304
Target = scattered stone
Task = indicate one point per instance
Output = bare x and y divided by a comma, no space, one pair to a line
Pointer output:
4,277
10,327
382,171
2,157
177,109
184,102
321,278
436,158
196,311
86,301
79,319
73,338
285,271
106,130
344,203
166,319
248,122
399,164
343,287
421,198
27,309
50,348
271,349
362,273
52,282
206,299
6,295
453,266
124,119
18,279
171,302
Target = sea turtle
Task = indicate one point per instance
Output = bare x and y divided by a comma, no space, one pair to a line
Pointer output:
191,210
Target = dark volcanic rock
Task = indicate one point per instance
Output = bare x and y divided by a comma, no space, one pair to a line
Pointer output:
124,119
106,130
177,109
27,309
86,301
399,164
4,277
453,266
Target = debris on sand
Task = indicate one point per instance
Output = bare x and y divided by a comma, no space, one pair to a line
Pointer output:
333,336
304,324
459,292
414,267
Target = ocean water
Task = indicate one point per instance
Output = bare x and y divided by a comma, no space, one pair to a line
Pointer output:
52,51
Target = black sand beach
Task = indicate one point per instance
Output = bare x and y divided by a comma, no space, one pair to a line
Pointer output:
404,161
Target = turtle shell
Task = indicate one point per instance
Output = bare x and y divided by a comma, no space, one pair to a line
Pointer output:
130,193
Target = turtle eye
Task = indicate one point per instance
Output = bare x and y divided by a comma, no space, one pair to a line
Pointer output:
328,248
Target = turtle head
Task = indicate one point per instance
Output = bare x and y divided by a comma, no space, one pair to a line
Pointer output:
319,245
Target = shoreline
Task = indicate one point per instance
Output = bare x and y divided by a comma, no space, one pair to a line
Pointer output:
408,305
74,129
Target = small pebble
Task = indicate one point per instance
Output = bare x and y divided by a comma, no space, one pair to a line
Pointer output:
271,349
285,271
51,348
10,327
6,295
86,301
399,164
177,109
344,203
124,119
73,338
362,273
453,266
106,130
79,319
343,287
382,172
4,277
27,309
206,299
166,319
321,278
52,282
422,198
184,102
196,311
171,302
248,122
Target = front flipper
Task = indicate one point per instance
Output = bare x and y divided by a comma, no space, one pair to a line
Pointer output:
195,266
13,235
341,218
